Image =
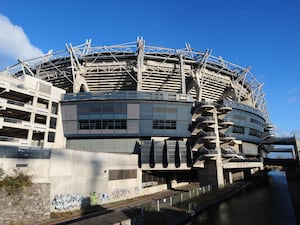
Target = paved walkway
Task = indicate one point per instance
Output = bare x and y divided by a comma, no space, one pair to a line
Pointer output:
114,213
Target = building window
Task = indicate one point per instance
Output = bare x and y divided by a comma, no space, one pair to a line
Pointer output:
54,108
120,124
40,119
164,124
95,124
84,124
102,124
52,122
239,117
51,137
107,124
122,174
256,122
238,129
255,132
42,103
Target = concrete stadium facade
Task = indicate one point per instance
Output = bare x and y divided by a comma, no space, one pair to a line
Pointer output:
172,115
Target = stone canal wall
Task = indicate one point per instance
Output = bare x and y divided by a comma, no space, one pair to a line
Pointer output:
30,206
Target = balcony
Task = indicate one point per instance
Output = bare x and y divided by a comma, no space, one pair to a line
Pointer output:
207,120
17,123
226,122
228,153
3,103
208,135
268,127
207,105
226,137
268,135
204,153
201,122
224,108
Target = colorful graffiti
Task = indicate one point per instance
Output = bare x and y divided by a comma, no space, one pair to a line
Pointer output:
104,197
64,202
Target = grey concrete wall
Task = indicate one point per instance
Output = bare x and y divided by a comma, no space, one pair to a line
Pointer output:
31,206
74,175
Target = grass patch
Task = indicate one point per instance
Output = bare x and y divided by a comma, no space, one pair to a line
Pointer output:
14,183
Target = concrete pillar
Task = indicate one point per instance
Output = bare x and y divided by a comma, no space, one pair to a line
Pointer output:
220,173
297,149
32,118
229,178
247,174
212,174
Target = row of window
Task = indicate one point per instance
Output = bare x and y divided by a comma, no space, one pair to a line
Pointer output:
122,174
122,124
102,108
39,136
243,118
43,103
241,130
102,124
164,124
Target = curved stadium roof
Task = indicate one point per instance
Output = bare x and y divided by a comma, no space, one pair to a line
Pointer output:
141,67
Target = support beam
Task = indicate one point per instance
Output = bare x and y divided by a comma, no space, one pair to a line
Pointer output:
25,66
140,63
183,86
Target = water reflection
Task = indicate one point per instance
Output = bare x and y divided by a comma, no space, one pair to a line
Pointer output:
269,205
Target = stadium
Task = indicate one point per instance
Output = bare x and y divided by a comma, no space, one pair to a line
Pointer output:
151,116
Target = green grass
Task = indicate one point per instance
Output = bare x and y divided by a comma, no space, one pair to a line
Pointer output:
13,183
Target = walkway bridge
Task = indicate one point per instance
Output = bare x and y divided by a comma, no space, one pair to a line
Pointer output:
281,162
290,145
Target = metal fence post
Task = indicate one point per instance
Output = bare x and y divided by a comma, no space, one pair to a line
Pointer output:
171,201
158,206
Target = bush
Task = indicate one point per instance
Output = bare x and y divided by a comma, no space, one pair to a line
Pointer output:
14,183
1,173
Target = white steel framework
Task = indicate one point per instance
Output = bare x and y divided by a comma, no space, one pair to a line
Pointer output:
141,67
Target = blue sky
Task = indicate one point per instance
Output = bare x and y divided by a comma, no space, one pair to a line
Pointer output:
263,34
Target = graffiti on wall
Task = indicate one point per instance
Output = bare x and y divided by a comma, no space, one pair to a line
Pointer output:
104,197
137,190
120,193
64,202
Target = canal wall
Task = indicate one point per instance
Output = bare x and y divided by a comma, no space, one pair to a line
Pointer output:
30,205
187,204
293,178
75,175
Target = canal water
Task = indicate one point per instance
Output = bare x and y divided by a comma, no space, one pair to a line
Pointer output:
267,205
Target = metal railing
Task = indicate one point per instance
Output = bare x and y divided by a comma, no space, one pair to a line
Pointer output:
176,199
24,152
127,95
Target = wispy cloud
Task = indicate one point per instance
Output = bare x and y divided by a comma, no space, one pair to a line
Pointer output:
284,133
292,100
294,91
293,95
14,43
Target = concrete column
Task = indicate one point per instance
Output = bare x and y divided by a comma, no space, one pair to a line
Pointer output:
229,177
212,174
220,173
247,173
32,118
140,63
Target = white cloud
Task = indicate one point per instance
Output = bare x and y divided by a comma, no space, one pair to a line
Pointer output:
292,100
294,95
294,91
284,133
14,43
